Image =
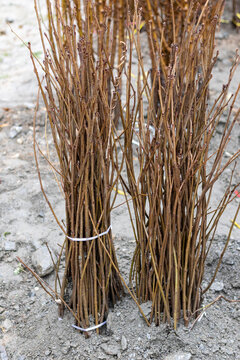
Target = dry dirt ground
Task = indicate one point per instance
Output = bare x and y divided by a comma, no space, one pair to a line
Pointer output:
29,324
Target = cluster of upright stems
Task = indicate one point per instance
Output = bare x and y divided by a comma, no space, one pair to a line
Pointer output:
88,57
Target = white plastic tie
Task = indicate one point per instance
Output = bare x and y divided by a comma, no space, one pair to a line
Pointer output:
90,238
90,328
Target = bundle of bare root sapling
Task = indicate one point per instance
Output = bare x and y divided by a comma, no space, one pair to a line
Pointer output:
79,92
171,190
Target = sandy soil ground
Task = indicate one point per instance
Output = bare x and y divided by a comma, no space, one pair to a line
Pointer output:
29,324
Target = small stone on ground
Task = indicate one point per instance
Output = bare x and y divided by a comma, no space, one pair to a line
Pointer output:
42,261
7,324
124,343
9,246
217,286
14,131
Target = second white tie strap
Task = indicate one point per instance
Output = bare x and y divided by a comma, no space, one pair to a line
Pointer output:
90,328
92,237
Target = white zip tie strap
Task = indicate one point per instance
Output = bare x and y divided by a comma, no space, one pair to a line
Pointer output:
90,238
90,328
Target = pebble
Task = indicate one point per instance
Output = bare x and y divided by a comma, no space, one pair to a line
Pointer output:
7,324
3,354
9,20
236,284
132,356
217,286
109,349
41,214
14,131
215,348
74,344
42,261
20,141
179,356
10,245
124,344
229,261
65,350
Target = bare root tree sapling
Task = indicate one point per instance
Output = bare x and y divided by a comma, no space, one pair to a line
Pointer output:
79,92
171,191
